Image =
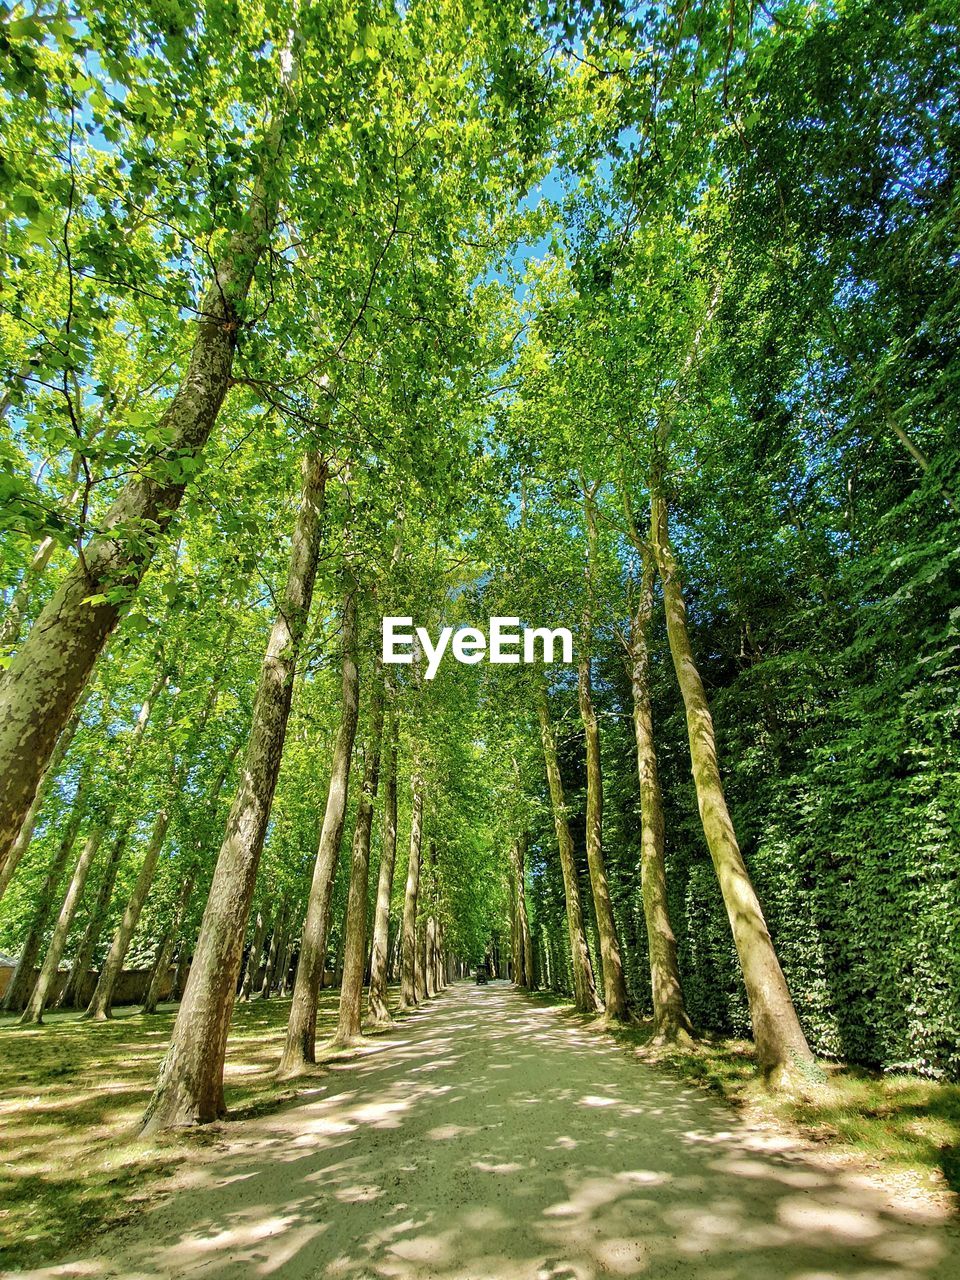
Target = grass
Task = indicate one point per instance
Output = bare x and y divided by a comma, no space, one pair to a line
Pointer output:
898,1123
71,1097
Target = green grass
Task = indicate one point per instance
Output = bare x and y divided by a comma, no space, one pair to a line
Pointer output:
894,1122
899,1121
71,1097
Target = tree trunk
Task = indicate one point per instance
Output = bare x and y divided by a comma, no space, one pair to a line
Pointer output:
377,1005
274,980
22,978
253,958
43,989
25,834
190,1085
72,994
671,1023
421,976
408,958
101,1001
430,958
300,1047
183,967
584,987
49,670
524,960
283,982
165,954
611,961
273,950
355,932
395,956
781,1044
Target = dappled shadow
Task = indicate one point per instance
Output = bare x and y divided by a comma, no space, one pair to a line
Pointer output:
72,1095
488,1136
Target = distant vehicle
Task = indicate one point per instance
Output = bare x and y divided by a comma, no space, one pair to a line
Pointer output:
482,975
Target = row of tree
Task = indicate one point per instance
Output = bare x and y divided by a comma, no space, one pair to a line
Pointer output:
289,332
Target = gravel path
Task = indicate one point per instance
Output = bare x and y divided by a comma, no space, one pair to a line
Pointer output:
492,1138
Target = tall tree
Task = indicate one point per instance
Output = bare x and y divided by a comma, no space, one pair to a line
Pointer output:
355,943
189,1089
377,1004
299,1048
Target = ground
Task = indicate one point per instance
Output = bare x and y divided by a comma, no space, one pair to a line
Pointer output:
71,1097
493,1137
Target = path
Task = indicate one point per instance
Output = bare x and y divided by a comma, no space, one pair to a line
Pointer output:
493,1138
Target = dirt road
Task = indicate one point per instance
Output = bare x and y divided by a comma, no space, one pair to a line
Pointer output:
492,1138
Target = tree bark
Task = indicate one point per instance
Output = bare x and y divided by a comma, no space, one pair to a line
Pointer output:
611,960
43,989
190,1085
283,978
165,955
671,1022
781,1044
430,956
355,933
377,1005
524,955
101,1002
423,990
48,672
25,834
274,952
22,978
584,988
408,955
253,958
72,994
300,1048
183,966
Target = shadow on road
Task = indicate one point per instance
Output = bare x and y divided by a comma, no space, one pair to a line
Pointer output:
491,1138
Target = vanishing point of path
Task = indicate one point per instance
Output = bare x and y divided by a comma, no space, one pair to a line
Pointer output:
492,1138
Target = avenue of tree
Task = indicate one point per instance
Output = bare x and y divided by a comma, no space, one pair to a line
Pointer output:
640,321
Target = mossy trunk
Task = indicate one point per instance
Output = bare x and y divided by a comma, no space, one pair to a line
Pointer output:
421,976
524,954
671,1021
430,956
80,970
781,1044
355,930
584,987
377,1004
408,956
190,1085
611,960
300,1047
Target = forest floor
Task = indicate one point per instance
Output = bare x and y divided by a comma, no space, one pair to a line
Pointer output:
903,1127
72,1095
491,1136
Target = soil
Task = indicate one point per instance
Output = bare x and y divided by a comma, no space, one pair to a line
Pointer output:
490,1137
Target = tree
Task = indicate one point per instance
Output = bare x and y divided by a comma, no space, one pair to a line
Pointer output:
190,1085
